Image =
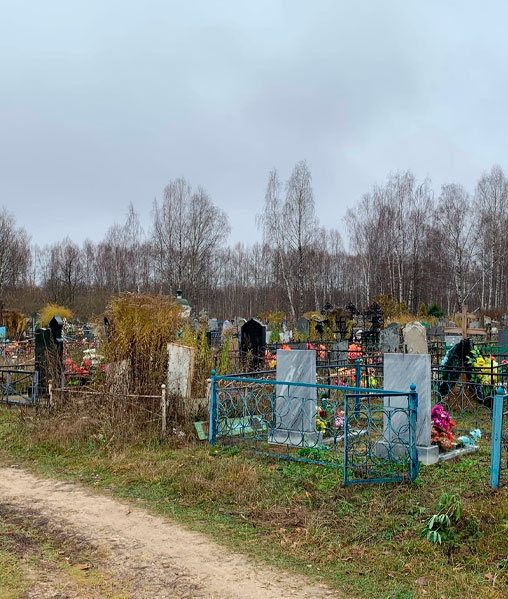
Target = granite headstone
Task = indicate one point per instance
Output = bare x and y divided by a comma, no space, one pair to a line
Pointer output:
389,338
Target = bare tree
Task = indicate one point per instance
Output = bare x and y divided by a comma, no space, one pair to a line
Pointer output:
187,229
14,252
454,218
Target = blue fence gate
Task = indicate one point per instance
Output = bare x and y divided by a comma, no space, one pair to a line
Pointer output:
18,385
367,433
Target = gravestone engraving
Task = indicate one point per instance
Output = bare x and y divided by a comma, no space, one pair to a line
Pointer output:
415,338
295,407
389,338
400,370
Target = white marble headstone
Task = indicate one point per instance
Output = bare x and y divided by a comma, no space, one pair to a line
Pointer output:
180,370
295,407
400,370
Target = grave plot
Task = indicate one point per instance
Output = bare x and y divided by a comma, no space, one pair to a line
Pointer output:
355,429
466,382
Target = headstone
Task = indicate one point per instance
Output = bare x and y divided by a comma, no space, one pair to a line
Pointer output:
213,324
253,341
389,338
239,322
400,370
342,347
295,407
227,327
475,325
415,338
502,338
180,370
502,342
303,326
451,340
437,332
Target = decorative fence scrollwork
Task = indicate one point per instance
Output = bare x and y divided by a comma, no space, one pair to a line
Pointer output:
368,433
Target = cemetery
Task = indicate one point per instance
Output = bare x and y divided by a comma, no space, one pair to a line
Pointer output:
346,399
341,389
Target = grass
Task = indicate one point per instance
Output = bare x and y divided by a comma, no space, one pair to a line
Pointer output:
12,582
365,540
34,550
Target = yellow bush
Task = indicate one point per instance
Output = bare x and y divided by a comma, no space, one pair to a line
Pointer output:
50,310
140,327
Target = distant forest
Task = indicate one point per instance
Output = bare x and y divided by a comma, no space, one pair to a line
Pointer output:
405,240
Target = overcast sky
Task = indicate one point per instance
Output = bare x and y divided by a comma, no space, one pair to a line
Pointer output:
102,102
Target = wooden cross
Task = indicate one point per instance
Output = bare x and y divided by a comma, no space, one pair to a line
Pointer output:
465,330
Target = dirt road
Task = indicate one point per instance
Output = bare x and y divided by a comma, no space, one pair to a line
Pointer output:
111,549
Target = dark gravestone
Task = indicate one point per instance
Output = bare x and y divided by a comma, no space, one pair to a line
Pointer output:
42,349
502,342
56,328
502,338
303,326
49,352
436,333
389,338
253,341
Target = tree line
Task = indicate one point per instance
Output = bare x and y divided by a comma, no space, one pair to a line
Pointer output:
405,240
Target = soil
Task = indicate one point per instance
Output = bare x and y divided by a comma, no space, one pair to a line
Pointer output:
124,551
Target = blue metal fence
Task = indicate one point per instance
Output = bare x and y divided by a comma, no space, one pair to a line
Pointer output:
499,439
368,433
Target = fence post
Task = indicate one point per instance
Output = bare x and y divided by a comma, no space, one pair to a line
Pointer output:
163,409
413,414
62,386
50,393
358,380
212,431
35,386
497,425
346,435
